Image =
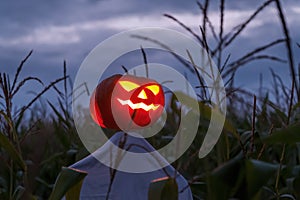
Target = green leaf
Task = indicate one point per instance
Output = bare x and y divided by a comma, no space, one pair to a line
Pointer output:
258,174
11,150
74,192
69,180
163,189
289,135
205,111
287,197
226,179
296,186
19,191
57,113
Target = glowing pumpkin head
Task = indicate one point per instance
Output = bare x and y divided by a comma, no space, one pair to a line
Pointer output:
127,102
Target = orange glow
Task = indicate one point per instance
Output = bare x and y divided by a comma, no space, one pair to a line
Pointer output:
128,85
142,95
138,105
128,96
154,89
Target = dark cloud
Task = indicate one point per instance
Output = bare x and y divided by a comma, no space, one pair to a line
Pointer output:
68,30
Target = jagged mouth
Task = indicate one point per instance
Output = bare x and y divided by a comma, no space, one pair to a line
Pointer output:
138,105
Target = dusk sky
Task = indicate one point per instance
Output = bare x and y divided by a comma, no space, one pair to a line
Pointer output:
69,30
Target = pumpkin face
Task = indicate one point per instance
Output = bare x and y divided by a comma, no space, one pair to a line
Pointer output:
126,102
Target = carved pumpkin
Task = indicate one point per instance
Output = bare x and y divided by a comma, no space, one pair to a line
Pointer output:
126,102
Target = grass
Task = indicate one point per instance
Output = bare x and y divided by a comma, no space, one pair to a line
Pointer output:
257,156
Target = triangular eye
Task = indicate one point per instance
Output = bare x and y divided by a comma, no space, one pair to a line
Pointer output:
128,86
153,88
142,95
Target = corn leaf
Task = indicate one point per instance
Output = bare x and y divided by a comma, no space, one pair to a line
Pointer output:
163,189
69,180
11,150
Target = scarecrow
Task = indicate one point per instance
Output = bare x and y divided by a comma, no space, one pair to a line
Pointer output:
128,103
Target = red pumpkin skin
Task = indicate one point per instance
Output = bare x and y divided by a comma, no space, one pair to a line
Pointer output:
110,95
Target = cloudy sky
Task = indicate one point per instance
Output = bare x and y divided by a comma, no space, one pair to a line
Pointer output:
68,30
